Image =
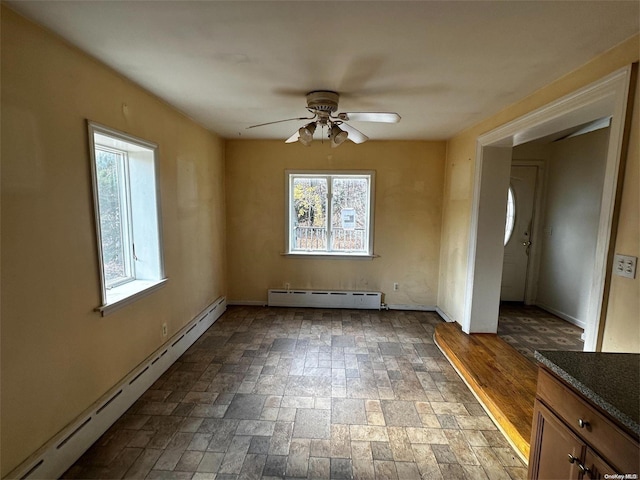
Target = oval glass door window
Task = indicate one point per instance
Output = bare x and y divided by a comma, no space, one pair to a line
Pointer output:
511,215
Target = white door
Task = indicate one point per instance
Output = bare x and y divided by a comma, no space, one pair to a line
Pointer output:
516,251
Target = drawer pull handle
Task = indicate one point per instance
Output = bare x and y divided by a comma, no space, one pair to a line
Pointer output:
582,467
582,423
573,459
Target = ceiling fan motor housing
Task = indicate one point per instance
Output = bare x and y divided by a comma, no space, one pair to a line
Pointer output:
323,101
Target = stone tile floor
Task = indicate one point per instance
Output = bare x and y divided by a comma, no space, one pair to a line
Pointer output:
306,393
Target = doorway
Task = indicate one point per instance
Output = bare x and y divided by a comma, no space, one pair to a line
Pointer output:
521,199
607,97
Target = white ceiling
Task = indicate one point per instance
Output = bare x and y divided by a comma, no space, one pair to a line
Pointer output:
442,65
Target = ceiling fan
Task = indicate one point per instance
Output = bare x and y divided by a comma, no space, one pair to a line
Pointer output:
322,104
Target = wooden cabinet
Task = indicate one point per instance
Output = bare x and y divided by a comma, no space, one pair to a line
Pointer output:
556,444
595,466
572,439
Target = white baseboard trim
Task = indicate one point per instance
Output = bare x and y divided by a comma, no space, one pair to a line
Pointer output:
58,454
444,316
247,303
562,315
393,306
419,308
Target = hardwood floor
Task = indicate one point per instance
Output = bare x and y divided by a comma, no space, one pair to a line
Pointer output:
499,375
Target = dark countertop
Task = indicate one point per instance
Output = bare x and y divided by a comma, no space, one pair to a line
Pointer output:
610,380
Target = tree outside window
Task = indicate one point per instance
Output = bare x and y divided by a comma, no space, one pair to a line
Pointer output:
330,213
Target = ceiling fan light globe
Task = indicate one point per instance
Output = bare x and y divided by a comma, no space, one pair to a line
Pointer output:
338,136
305,134
341,138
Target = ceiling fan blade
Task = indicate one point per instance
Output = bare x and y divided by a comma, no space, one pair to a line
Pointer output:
383,117
355,135
293,138
280,121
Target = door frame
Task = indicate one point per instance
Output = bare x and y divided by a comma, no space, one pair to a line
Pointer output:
606,97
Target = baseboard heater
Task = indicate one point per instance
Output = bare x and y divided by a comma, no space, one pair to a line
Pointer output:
59,453
325,299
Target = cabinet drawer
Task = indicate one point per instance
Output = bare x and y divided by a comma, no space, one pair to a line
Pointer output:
602,434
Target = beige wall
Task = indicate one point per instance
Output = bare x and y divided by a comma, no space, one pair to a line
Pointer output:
622,329
458,187
574,180
58,355
408,205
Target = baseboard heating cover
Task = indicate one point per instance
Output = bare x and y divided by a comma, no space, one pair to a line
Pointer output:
60,453
325,299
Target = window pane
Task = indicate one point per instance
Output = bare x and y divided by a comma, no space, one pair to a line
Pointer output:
109,167
309,213
511,216
350,214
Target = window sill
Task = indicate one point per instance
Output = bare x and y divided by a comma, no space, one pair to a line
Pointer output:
334,256
128,293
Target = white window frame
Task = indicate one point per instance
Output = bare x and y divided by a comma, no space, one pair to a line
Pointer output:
329,175
125,206
140,204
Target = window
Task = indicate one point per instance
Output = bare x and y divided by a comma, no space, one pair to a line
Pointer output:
330,213
511,215
127,215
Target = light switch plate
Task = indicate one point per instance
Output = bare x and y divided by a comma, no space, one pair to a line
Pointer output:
625,266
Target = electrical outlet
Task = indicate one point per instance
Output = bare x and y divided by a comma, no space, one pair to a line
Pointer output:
287,286
625,266
164,329
396,287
